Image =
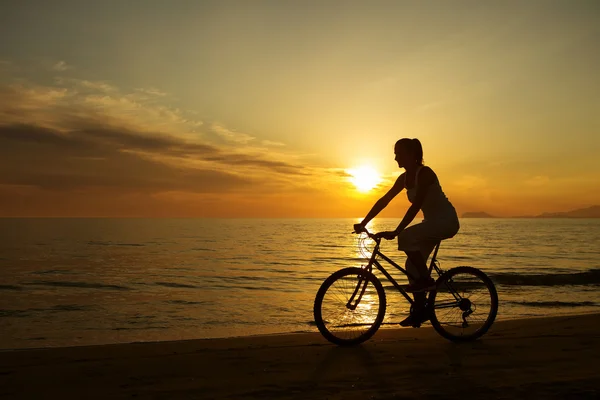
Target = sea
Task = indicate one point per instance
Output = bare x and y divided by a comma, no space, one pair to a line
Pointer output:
78,281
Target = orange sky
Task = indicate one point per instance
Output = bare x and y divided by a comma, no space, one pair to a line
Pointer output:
260,109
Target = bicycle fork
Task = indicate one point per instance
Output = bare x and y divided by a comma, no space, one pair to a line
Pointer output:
352,306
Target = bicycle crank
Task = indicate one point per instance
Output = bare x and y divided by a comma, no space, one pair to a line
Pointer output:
465,307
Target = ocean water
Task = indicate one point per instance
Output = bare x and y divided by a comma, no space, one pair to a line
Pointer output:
67,282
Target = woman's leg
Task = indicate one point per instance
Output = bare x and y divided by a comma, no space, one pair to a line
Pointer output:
416,266
417,241
417,263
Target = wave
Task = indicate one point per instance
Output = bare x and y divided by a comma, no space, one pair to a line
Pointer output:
555,303
10,287
329,246
259,288
28,312
83,285
14,313
590,277
53,272
186,302
135,328
176,285
242,278
102,243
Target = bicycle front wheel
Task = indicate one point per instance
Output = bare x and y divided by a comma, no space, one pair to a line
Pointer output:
464,304
349,306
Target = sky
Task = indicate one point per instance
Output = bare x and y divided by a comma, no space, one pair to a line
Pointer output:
148,108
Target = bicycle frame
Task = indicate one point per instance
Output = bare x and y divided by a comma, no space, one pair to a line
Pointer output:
373,261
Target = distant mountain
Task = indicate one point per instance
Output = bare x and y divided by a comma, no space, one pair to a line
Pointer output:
477,214
590,212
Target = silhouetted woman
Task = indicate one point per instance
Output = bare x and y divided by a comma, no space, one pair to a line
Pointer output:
417,241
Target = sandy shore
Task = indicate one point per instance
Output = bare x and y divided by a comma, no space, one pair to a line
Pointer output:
538,358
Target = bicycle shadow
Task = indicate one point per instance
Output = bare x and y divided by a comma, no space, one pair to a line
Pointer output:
459,361
371,367
359,366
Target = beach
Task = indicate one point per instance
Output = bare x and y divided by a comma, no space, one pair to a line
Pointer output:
554,357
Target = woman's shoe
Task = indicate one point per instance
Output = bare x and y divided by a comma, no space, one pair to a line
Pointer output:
415,320
409,321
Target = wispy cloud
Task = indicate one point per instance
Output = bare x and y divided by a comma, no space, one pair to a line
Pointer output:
61,66
53,160
84,84
90,140
271,143
230,135
76,103
152,92
84,134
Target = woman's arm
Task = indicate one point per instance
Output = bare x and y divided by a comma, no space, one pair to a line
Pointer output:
426,178
385,200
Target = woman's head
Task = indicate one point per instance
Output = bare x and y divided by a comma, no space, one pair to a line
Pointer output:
408,152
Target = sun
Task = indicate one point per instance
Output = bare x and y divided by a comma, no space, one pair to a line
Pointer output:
364,178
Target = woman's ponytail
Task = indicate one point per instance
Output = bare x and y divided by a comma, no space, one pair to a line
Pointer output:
417,151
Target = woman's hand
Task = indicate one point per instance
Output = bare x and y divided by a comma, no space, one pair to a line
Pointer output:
388,235
359,228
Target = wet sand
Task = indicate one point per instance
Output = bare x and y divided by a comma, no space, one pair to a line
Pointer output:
546,358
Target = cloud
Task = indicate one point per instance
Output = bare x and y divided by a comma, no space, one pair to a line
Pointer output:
80,84
341,173
272,144
233,159
231,136
71,103
41,156
48,159
152,92
82,134
61,66
83,147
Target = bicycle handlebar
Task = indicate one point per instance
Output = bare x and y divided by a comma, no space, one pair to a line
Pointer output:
369,234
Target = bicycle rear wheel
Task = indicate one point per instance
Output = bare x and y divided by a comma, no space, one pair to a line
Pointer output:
349,306
464,304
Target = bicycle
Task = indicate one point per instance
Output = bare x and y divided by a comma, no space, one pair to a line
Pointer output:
361,300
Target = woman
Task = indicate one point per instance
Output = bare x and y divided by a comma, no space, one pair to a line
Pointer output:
417,241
